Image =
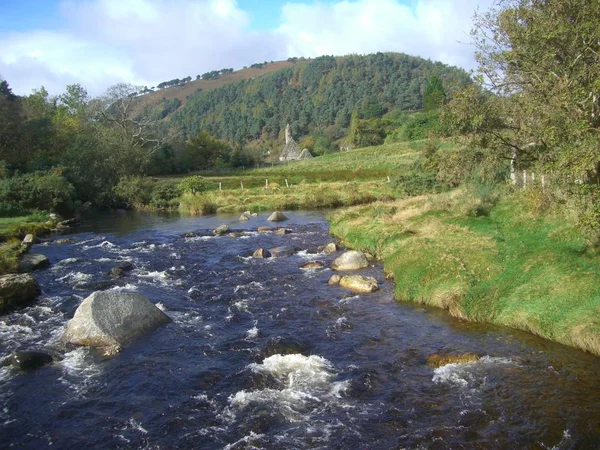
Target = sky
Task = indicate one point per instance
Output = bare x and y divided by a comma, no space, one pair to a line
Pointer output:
98,43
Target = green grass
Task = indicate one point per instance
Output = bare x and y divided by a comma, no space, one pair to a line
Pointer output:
302,196
365,164
329,181
12,230
510,267
34,223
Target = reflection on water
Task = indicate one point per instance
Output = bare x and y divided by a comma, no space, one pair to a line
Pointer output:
263,354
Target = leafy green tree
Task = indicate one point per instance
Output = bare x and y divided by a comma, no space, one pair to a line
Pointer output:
434,95
203,151
541,61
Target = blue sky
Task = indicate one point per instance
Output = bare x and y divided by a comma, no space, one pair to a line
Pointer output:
101,42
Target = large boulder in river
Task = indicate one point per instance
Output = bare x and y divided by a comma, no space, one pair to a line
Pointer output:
277,216
109,319
16,289
33,261
359,284
351,260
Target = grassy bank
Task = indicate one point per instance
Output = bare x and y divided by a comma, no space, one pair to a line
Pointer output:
301,196
508,267
341,179
12,231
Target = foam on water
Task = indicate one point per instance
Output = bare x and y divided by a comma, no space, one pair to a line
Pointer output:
75,277
252,333
161,277
303,386
253,285
64,262
467,374
245,441
304,254
125,288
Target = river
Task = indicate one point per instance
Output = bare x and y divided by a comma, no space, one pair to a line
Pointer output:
263,354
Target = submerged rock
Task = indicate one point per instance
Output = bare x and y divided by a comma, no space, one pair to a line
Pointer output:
282,231
261,253
245,216
264,229
112,319
29,360
351,260
16,289
120,269
313,265
281,252
359,284
334,280
436,360
277,216
190,234
33,261
64,241
221,230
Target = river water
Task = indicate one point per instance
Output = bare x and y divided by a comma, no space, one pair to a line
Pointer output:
263,354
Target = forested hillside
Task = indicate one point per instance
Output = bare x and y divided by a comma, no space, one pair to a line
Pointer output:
314,95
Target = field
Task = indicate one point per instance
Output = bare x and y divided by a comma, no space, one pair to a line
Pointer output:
340,179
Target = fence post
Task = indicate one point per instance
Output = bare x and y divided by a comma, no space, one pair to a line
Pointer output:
242,184
286,183
388,179
266,183
543,182
220,186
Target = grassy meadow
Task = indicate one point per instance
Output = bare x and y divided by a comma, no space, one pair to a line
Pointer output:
340,179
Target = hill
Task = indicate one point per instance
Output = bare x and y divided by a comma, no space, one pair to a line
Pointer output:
182,93
316,96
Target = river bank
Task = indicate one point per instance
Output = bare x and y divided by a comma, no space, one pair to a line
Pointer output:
506,265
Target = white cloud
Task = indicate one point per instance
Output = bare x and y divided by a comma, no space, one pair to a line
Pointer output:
436,29
139,41
148,41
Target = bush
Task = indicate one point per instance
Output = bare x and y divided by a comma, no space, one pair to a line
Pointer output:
48,191
193,184
165,196
417,182
134,191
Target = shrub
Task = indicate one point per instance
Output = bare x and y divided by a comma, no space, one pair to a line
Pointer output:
193,184
134,191
48,191
165,196
417,182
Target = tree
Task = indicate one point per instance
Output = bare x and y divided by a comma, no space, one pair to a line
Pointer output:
138,131
11,126
540,61
203,151
434,94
